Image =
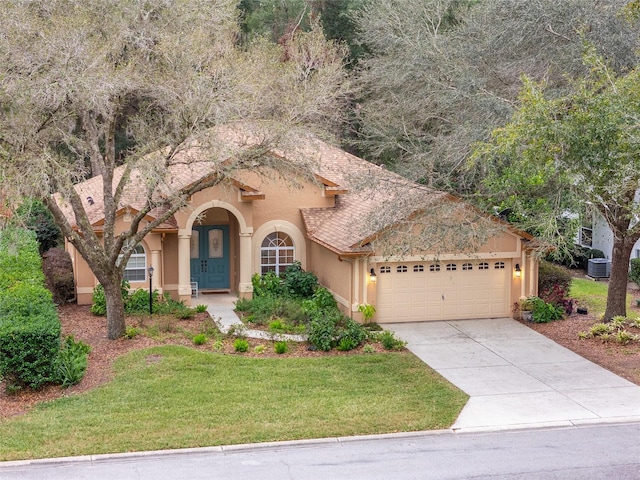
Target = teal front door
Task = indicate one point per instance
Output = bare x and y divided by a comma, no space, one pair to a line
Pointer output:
210,256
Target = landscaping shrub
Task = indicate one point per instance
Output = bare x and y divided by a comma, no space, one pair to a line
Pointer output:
390,342
72,361
240,345
321,331
350,335
280,347
29,325
268,284
200,339
544,312
634,271
37,218
19,258
550,275
58,273
299,283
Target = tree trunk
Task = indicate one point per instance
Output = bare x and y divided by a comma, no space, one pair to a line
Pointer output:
617,293
115,308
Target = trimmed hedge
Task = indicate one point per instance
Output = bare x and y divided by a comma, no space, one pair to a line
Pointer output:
29,325
551,275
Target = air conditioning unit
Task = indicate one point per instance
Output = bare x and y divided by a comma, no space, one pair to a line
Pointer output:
599,268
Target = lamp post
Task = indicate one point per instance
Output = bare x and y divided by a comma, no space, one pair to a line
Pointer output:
150,270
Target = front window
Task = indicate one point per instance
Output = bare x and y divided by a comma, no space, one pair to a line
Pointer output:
136,268
276,253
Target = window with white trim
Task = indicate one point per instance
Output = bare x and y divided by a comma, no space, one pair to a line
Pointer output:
136,269
276,253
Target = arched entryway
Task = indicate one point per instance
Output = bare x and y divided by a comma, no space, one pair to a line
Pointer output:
214,249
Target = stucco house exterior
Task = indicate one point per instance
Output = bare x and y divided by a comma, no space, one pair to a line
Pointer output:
255,223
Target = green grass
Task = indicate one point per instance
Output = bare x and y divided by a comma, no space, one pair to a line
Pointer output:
176,397
591,294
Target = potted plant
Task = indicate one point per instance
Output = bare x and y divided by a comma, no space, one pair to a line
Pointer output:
526,308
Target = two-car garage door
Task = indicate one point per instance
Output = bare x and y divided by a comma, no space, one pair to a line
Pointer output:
418,291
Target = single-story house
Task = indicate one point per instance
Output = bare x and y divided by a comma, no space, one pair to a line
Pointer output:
257,223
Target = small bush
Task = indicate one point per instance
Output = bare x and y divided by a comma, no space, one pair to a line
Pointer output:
131,332
200,339
634,271
29,336
99,301
72,362
552,276
368,349
390,342
351,335
277,325
280,347
299,283
201,308
240,345
266,285
58,272
185,313
260,349
321,331
544,312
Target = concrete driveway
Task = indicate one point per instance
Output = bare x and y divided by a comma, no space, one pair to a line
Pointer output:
518,378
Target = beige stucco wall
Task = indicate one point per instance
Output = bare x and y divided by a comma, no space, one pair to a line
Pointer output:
333,273
250,221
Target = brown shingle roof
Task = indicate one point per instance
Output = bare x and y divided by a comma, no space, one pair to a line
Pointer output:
345,228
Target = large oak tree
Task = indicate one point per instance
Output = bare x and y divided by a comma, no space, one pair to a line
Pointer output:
88,86
559,152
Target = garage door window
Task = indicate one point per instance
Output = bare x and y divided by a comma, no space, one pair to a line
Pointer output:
452,267
434,268
276,253
385,269
418,268
499,266
467,266
401,269
483,266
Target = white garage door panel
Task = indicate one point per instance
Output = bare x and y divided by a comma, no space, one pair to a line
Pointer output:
445,291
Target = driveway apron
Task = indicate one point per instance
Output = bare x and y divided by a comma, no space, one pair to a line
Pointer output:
518,378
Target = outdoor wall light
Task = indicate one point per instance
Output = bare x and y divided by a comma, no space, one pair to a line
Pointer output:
518,271
372,276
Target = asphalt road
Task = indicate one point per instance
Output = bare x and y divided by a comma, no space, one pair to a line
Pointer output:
586,452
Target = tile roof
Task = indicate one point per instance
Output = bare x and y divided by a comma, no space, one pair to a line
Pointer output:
345,228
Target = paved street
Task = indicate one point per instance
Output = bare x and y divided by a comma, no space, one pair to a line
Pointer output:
584,453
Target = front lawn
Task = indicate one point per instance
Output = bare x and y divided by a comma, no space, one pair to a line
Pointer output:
176,397
592,295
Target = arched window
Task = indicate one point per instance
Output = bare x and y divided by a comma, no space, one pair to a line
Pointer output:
136,269
276,253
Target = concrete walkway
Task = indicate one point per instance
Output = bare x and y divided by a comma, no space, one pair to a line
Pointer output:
221,308
518,378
